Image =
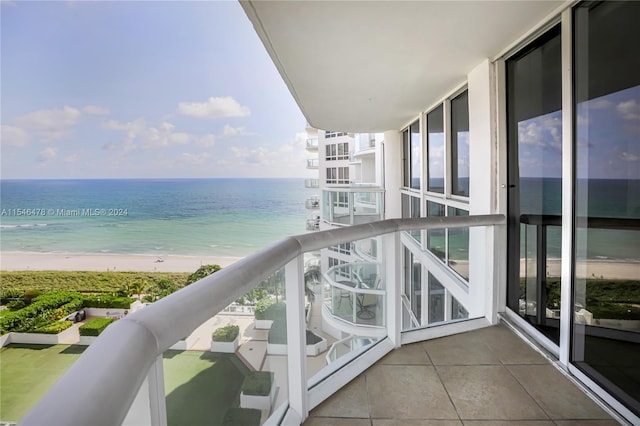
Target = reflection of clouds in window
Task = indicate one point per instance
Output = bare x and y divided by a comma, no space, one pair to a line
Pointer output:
608,136
540,146
463,154
629,110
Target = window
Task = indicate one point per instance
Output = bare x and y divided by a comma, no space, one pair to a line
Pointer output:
341,248
458,245
411,209
436,238
435,151
605,325
337,151
460,145
329,134
338,175
339,272
412,156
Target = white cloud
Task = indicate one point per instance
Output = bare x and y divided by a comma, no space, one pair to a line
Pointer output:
72,158
13,136
207,140
192,159
230,131
600,104
544,132
51,124
95,110
47,154
629,110
630,157
214,108
258,155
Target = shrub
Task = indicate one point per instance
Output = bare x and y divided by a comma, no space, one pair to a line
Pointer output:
617,312
95,326
16,305
53,327
261,308
257,383
226,334
107,301
9,294
44,308
276,312
241,416
203,271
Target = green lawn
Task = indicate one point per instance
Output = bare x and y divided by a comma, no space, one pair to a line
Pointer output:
200,386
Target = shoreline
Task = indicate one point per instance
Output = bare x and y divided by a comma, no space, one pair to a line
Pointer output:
36,261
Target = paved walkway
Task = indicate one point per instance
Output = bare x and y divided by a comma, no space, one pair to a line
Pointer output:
484,377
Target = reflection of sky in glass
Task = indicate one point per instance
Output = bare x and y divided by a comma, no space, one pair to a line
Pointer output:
436,160
416,159
463,154
608,135
540,146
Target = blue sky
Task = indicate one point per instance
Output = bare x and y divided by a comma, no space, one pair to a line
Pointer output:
142,89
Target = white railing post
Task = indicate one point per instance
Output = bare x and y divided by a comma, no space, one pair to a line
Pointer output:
157,398
392,261
296,336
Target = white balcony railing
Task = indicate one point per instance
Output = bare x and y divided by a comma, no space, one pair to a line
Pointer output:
119,378
312,163
352,205
312,203
312,144
311,183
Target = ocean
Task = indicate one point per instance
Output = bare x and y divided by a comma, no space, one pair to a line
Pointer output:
215,217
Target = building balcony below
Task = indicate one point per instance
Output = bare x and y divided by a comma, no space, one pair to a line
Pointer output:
312,144
312,203
352,204
312,163
311,183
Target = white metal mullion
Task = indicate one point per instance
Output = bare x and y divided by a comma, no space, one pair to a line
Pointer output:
296,337
566,279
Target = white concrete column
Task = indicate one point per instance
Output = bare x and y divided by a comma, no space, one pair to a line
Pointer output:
482,189
296,336
392,153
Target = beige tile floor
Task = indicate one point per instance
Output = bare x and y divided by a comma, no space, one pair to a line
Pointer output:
483,377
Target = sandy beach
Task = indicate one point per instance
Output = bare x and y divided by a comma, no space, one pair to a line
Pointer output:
18,261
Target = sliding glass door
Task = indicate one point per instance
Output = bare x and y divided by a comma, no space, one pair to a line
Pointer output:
534,101
606,292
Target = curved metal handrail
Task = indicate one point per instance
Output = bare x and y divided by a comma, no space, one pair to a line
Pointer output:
101,385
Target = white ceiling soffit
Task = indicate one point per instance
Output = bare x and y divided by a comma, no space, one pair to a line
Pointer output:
374,65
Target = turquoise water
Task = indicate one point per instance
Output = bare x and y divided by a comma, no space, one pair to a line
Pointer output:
215,217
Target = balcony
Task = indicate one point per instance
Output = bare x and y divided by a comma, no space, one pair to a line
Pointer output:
313,224
135,389
312,163
312,144
311,183
352,205
312,203
489,375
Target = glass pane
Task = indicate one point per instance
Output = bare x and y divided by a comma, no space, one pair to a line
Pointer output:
460,145
416,155
435,150
606,328
535,169
458,246
406,158
436,237
436,300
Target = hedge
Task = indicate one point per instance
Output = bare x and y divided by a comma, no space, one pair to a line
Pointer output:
95,326
107,301
53,327
261,308
257,383
226,334
44,308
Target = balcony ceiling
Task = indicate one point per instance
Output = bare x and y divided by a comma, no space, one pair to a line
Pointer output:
367,66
